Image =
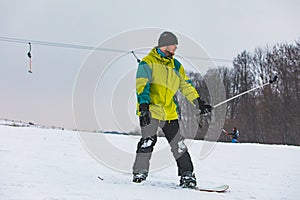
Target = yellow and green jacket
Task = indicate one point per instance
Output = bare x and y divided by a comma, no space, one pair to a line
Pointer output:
158,79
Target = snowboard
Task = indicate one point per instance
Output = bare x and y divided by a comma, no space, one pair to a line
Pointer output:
221,188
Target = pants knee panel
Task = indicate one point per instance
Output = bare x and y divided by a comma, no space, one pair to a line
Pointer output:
146,145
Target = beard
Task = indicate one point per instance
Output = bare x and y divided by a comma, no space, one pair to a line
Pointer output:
169,53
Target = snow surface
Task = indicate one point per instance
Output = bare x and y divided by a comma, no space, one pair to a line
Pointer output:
49,164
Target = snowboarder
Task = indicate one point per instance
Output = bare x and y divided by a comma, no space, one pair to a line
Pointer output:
159,77
234,135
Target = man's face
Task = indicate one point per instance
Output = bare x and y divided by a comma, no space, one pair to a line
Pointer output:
171,49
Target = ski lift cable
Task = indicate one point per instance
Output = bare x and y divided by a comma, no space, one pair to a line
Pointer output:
84,47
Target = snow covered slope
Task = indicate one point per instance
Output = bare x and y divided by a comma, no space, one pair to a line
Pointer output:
52,164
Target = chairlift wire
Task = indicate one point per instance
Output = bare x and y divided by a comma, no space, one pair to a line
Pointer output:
84,47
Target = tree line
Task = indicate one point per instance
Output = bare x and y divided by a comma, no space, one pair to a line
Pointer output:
268,115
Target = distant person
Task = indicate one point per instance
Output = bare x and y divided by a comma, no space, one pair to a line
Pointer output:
234,135
159,76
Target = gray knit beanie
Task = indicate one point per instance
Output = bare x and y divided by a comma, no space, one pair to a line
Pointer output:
167,38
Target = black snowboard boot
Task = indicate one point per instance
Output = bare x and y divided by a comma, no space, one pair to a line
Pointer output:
188,180
139,177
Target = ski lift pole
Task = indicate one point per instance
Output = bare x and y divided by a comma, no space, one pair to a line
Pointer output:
260,86
137,59
30,59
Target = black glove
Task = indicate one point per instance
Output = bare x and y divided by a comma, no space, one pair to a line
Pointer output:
145,117
204,108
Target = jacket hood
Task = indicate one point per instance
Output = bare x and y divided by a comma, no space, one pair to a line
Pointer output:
160,58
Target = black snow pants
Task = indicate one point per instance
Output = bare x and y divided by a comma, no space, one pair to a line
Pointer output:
148,140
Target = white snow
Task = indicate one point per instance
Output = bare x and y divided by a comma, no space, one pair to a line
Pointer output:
46,164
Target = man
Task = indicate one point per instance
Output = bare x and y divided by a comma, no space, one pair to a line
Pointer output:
234,135
159,77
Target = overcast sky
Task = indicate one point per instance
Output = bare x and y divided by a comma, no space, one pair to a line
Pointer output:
222,28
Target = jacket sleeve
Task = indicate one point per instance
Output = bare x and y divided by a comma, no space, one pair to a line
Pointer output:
186,86
143,79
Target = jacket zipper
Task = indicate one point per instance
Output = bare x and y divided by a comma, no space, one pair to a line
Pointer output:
166,93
